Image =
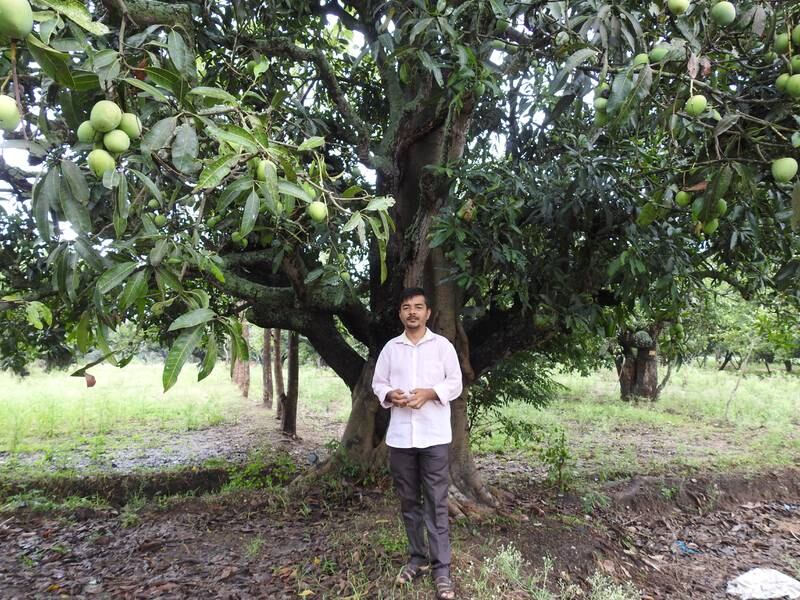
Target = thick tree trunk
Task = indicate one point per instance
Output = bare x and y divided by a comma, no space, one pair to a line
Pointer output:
289,416
277,366
241,368
728,357
266,369
637,368
788,365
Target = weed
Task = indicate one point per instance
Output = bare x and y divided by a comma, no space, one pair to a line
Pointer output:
254,546
592,500
669,492
391,538
257,473
129,515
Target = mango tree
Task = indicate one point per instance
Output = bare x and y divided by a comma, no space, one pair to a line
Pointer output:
523,161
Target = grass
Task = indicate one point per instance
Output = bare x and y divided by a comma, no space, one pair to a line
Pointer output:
686,430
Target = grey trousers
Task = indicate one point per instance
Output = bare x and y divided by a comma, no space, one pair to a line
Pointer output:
421,478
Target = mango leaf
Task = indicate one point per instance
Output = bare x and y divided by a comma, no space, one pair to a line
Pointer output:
312,142
181,349
380,203
45,197
121,207
210,359
83,333
216,171
294,190
135,288
250,213
271,180
76,181
146,87
180,55
236,136
75,11
212,92
232,193
115,276
53,62
575,59
148,183
159,135
192,318
75,212
36,312
353,222
185,148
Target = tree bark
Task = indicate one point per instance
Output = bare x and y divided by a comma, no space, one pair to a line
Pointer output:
241,368
289,415
277,365
788,365
728,357
266,369
637,368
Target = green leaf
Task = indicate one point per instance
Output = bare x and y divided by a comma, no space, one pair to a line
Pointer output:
232,192
135,288
146,87
353,222
76,181
75,212
216,171
167,79
159,135
575,59
180,55
181,349
236,136
271,180
418,28
115,276
148,183
37,312
185,148
250,213
312,142
380,203
53,62
121,207
83,333
294,190
192,318
210,359
45,197
213,92
76,11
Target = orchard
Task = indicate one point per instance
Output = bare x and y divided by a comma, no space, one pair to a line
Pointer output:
551,172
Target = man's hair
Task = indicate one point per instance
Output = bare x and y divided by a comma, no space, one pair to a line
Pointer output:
411,292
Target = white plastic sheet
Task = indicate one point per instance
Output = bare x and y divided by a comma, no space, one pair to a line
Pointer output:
764,584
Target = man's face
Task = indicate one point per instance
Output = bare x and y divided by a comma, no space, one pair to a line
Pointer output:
414,313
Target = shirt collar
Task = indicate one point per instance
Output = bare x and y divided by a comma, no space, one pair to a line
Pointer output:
403,339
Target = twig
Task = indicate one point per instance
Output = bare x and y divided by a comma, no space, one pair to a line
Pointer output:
16,86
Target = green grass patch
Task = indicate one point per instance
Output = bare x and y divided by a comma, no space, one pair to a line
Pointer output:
686,430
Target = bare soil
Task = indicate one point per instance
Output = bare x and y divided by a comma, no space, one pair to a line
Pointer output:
673,537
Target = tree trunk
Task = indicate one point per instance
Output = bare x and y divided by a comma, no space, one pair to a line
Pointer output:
277,365
788,365
241,368
766,364
289,416
266,369
728,357
637,368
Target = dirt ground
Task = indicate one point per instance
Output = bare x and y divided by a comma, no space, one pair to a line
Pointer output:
676,538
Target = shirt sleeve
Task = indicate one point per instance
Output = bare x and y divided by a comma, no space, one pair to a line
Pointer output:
380,379
449,389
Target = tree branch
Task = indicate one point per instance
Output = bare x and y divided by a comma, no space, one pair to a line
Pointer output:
16,178
359,134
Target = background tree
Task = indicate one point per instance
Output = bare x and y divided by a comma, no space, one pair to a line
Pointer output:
311,160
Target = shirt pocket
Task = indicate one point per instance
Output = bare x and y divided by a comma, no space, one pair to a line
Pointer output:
432,373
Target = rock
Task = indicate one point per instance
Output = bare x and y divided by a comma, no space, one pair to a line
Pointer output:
763,584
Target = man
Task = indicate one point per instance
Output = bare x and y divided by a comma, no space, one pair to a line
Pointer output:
416,376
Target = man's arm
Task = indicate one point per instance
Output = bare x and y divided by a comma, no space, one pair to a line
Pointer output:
387,396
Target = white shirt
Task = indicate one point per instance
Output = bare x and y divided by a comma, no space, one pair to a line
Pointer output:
430,363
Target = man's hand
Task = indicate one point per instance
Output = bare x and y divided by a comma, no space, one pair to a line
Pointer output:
397,398
420,396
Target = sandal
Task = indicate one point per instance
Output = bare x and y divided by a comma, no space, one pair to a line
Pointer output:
410,572
445,590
